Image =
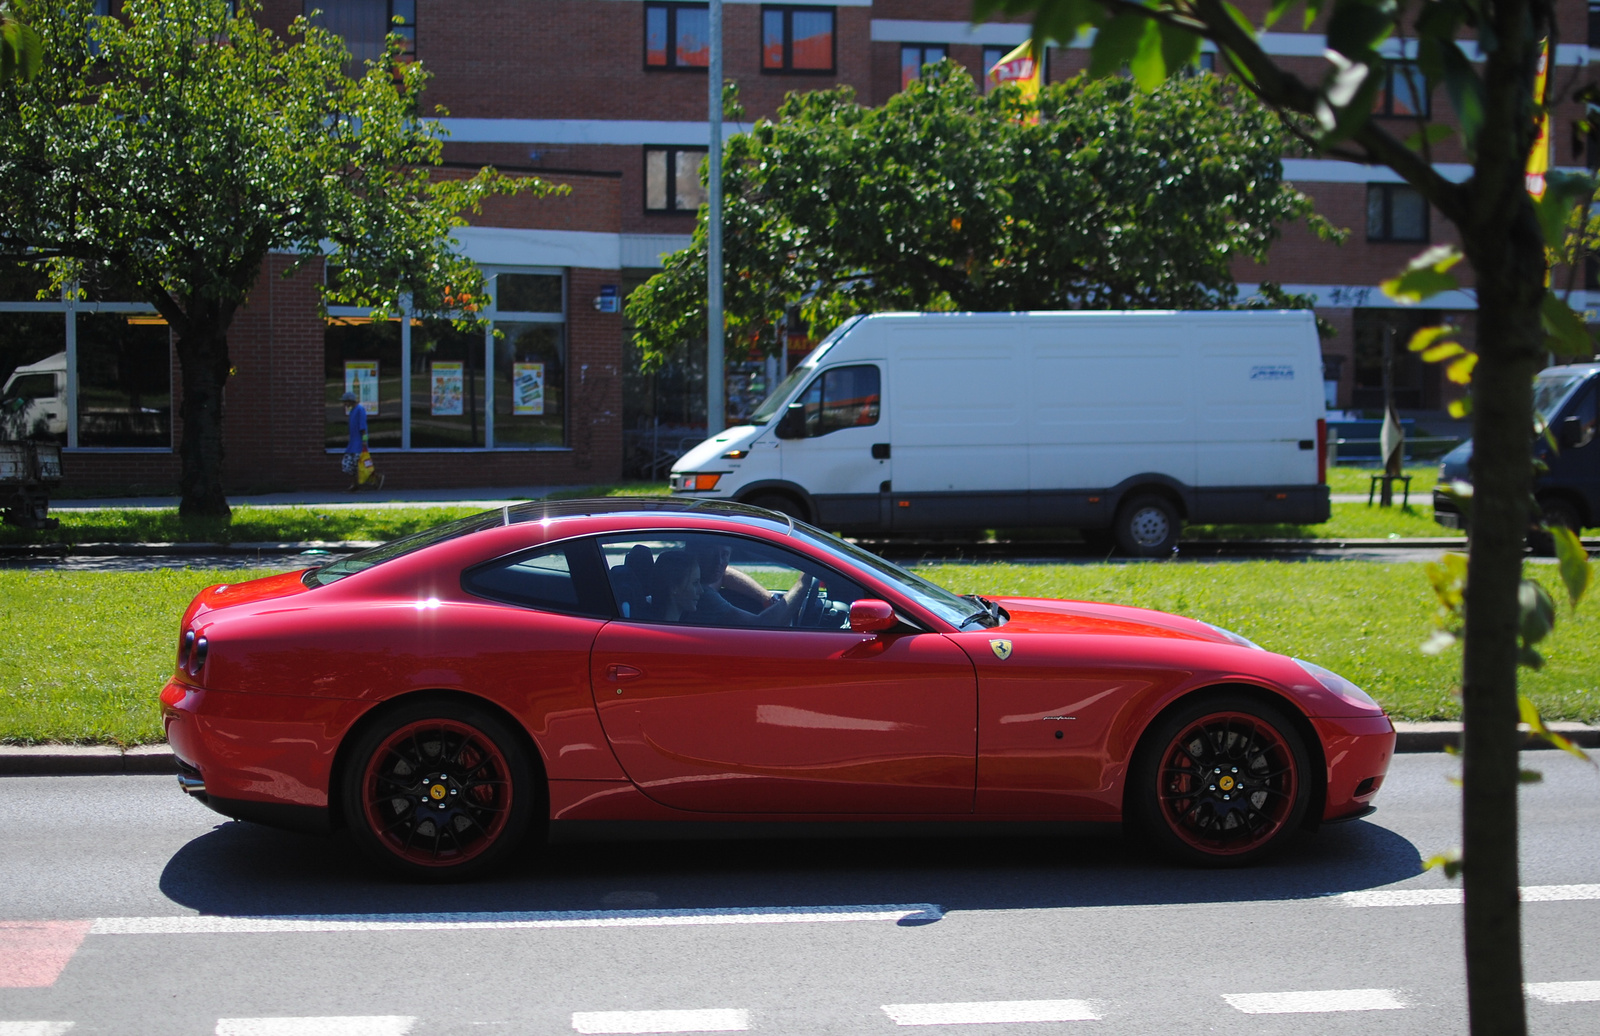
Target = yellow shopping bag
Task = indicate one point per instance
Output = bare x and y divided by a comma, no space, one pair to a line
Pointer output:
364,469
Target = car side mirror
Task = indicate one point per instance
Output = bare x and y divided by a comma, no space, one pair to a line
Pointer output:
793,423
1571,430
870,616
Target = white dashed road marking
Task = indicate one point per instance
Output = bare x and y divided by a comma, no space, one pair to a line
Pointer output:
34,1028
1316,1001
991,1012
347,1025
1564,992
190,924
1452,896
717,1019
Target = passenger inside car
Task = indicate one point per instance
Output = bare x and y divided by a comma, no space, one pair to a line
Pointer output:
677,586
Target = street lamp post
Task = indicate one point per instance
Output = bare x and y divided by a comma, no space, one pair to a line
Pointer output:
716,379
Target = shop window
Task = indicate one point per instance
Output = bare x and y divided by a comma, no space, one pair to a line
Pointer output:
528,293
124,380
1404,94
672,179
363,357
1396,212
677,36
364,24
797,39
33,367
1381,332
1594,25
914,55
447,386
529,384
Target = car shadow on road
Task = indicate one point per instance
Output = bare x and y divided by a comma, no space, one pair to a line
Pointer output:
245,869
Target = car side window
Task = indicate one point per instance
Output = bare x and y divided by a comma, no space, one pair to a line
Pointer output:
562,578
843,397
1586,411
709,579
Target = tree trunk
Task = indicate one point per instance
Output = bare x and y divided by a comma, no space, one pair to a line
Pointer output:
1504,243
203,360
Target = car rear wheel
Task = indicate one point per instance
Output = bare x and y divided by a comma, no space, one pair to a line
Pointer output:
439,791
1147,526
1221,783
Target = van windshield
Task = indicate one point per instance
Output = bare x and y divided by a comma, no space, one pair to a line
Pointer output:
1551,391
770,405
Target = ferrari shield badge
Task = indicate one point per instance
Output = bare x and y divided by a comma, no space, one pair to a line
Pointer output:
1002,649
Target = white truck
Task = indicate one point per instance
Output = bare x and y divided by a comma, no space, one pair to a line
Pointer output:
1122,425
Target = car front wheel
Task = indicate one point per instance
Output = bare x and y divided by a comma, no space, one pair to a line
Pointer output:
1221,783
439,791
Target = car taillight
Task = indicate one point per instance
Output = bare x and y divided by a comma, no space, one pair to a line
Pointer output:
1322,451
185,646
197,658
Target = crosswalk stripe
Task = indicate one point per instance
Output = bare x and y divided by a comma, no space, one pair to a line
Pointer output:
191,924
1564,992
333,1025
1316,1001
1452,896
716,1019
991,1012
34,1028
35,952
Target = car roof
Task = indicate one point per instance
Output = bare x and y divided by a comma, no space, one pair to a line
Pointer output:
645,507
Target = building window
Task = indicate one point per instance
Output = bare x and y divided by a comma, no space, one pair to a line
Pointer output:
364,24
1207,61
677,36
1404,94
1594,25
797,39
914,55
1396,212
428,385
94,372
672,179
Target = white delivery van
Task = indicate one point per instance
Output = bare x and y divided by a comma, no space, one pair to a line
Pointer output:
33,401
1120,424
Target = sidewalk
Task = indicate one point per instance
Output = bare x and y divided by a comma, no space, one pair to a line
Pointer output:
82,760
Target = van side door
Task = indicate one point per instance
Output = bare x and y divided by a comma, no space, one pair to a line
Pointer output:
836,445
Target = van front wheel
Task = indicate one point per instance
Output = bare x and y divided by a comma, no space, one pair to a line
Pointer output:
1147,526
780,502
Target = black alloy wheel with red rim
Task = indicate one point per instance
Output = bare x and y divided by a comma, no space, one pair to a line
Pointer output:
439,791
1222,782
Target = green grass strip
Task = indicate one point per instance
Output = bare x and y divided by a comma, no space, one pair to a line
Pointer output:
86,653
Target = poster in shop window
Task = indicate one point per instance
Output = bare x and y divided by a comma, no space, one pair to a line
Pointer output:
361,377
527,388
447,389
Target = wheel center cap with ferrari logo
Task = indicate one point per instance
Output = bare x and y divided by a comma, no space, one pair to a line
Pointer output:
1001,648
436,792
1226,784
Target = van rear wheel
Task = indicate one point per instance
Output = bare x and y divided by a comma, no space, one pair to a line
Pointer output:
1147,526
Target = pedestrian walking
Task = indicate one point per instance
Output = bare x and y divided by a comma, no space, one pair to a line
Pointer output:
357,460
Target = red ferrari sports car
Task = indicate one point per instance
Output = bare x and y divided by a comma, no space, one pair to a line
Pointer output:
448,696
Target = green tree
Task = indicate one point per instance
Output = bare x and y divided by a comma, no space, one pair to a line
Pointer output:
19,47
176,145
1101,197
1507,239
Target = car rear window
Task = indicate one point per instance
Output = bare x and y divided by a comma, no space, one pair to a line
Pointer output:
404,545
562,578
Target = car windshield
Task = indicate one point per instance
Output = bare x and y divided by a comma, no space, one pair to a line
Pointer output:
958,611
1550,391
404,545
770,405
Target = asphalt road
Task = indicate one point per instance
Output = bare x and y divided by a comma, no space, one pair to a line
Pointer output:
133,910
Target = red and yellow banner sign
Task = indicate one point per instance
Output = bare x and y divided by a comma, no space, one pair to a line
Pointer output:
1018,67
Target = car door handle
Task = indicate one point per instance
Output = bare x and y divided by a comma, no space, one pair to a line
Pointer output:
616,672
880,451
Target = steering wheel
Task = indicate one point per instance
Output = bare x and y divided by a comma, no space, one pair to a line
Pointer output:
798,618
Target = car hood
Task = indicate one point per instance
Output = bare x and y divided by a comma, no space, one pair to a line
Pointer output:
707,456
1043,615
1453,466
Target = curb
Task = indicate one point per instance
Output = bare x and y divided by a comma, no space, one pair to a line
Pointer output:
179,549
99,760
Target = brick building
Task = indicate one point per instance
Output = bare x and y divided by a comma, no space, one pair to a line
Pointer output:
609,97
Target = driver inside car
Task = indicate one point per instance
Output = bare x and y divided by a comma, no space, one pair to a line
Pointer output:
719,582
